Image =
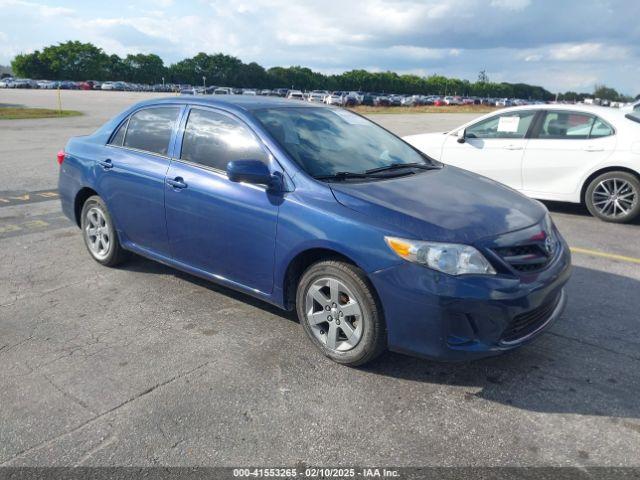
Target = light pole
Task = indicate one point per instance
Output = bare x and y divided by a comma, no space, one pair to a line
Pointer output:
163,83
204,82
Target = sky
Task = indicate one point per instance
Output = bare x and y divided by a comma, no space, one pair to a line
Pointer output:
559,44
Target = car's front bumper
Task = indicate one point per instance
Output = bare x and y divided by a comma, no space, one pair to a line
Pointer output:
449,318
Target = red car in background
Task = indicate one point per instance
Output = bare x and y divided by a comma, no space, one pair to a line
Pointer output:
88,85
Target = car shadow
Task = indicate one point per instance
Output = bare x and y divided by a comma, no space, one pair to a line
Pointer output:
586,363
144,265
576,209
568,208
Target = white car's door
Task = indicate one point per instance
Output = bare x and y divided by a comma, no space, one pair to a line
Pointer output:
561,150
493,147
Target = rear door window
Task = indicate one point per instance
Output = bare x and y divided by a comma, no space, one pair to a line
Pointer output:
568,125
565,125
150,129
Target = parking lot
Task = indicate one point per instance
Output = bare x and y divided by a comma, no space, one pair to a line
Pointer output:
144,365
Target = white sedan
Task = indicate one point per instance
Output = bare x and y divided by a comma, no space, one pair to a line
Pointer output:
567,153
333,99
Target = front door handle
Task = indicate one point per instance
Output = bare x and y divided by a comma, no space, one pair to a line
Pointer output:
177,183
106,164
512,147
593,148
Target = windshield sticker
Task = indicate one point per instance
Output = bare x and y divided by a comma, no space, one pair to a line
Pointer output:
508,124
349,117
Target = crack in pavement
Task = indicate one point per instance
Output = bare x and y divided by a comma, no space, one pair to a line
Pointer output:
103,444
589,344
103,414
73,398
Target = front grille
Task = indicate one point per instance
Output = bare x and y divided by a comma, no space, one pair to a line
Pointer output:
525,258
526,323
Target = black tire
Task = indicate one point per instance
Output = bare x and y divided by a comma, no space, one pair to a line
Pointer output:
373,338
590,201
113,254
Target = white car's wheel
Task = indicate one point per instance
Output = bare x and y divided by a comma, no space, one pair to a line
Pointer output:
614,197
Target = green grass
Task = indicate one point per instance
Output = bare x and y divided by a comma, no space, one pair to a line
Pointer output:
19,113
479,109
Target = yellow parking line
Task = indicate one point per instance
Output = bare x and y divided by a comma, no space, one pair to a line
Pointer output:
612,256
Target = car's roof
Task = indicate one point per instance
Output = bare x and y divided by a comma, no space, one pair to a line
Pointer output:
242,102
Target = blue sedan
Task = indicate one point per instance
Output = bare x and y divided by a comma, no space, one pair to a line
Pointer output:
317,209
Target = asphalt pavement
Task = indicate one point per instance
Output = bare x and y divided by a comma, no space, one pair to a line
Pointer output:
143,365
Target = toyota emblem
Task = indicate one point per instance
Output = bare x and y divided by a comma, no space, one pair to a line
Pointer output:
549,244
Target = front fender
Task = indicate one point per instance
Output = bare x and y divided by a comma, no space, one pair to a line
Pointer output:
322,223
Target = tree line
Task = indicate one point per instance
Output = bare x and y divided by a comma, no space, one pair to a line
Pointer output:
74,60
600,91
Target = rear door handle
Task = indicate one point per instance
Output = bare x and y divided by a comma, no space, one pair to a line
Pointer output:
512,147
593,148
106,164
177,183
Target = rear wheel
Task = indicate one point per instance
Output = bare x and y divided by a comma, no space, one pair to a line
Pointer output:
99,233
338,311
614,197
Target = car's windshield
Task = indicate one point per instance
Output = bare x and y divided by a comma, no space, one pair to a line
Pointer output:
326,141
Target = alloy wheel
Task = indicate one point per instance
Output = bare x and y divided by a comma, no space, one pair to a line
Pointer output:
614,197
334,314
97,233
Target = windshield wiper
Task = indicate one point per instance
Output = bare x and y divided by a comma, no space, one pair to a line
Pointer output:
346,175
398,166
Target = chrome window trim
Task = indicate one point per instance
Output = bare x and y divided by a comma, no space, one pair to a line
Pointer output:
137,150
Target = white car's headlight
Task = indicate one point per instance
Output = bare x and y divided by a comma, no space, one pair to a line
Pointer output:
450,258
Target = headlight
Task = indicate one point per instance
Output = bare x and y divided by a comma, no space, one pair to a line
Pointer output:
451,258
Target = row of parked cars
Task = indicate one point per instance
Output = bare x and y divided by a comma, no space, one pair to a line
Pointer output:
341,98
11,82
350,98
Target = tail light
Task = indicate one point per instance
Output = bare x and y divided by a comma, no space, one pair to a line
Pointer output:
60,157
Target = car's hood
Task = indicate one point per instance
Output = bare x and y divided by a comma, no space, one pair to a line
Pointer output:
449,205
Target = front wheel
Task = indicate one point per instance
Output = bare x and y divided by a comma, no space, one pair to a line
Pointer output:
337,309
614,197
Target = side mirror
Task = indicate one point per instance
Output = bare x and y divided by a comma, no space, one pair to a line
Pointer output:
251,171
461,135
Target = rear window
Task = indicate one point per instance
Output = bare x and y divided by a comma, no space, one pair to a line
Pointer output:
150,129
118,137
600,128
